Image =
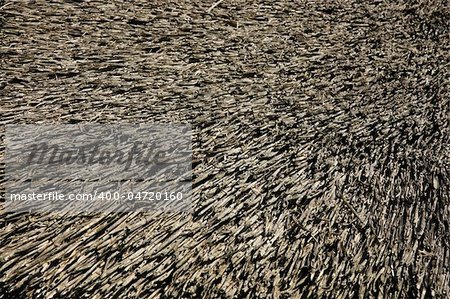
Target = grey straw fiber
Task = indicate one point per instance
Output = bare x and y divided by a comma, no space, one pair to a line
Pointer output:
320,145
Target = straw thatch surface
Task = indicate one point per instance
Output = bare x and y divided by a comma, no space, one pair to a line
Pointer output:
321,146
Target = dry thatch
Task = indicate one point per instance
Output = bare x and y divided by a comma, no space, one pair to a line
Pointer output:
321,146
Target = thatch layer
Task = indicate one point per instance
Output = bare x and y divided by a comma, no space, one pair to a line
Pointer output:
321,146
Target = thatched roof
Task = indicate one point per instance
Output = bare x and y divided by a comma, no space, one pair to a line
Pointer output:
321,146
